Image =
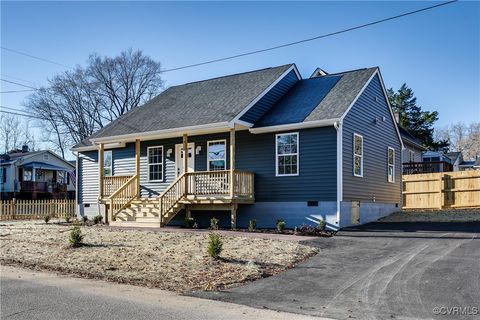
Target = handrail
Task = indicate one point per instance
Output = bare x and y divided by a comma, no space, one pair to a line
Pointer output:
172,195
113,183
122,197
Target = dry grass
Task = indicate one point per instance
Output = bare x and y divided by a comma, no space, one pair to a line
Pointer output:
174,261
446,215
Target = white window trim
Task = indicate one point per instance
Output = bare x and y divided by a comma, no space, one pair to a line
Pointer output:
361,156
393,165
148,164
290,154
111,163
225,159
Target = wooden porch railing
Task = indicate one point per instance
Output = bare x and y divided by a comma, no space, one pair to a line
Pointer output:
122,197
207,183
172,195
426,167
113,183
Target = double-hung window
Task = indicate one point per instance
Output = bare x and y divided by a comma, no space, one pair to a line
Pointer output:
107,163
357,155
286,154
217,155
391,164
155,163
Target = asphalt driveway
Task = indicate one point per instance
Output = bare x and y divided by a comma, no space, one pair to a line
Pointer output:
379,271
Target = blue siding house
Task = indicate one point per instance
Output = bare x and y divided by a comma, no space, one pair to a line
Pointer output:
264,145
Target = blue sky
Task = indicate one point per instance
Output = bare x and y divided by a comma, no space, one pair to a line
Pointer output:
435,52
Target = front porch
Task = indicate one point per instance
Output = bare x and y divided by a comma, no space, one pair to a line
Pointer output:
190,190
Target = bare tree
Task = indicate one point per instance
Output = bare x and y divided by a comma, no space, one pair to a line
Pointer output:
77,103
124,82
10,132
462,138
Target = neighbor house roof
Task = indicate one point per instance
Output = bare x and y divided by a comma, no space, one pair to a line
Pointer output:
198,103
10,158
410,139
453,156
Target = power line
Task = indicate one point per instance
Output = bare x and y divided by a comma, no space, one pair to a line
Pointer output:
20,84
16,78
269,48
35,57
310,39
19,114
14,91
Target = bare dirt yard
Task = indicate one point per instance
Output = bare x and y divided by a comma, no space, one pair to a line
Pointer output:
176,261
445,215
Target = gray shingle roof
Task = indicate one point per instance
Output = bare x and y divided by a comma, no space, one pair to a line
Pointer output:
299,102
337,101
221,99
203,102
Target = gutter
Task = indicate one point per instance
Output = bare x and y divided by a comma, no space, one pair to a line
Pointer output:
295,126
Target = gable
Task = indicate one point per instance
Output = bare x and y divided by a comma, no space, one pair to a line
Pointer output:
262,106
299,102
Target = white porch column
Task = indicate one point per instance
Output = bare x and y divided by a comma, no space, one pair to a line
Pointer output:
232,160
137,166
185,161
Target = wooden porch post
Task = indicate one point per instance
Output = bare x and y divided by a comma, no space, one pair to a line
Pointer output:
233,216
100,178
137,166
100,171
185,160
232,160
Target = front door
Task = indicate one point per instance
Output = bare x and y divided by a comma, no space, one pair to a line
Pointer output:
179,158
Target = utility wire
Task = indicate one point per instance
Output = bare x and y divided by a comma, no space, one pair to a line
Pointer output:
19,84
19,114
270,48
311,39
35,57
14,91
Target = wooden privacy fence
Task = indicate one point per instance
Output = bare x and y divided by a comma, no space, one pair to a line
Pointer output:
36,209
441,190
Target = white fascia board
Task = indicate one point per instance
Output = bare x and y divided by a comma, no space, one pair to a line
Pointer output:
377,72
167,133
358,95
339,127
295,126
260,96
389,106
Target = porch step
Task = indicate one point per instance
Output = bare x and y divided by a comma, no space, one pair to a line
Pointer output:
135,224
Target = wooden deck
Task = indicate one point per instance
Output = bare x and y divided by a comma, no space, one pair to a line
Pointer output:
209,190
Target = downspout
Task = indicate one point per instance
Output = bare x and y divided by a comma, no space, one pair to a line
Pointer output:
338,126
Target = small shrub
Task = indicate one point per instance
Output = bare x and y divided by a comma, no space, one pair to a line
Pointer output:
85,219
76,237
46,218
214,223
67,219
97,219
252,225
215,245
321,225
280,225
189,222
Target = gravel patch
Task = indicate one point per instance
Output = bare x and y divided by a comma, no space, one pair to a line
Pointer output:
175,261
445,215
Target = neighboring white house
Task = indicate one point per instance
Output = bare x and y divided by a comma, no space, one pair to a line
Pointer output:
36,175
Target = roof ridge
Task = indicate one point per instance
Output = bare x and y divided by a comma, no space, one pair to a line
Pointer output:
348,71
231,75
